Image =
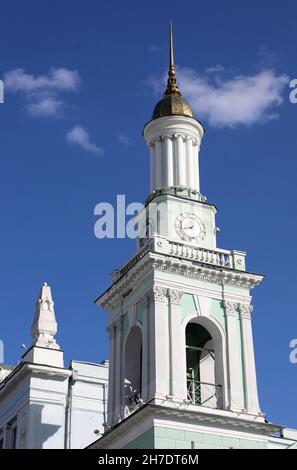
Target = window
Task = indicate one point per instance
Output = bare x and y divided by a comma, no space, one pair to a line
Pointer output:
133,367
201,384
1,438
11,434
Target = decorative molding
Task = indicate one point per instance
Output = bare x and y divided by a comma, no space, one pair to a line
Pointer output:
230,308
245,310
111,331
173,411
159,293
118,323
175,296
186,268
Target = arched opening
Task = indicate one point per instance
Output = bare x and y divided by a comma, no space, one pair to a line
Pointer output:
202,381
133,367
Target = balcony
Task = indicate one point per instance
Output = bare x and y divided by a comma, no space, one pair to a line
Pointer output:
158,244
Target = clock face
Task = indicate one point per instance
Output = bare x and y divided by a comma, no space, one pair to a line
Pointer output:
189,227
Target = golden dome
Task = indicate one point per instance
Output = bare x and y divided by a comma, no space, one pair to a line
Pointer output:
172,102
172,105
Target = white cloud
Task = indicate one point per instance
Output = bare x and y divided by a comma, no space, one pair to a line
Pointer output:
47,106
42,92
79,136
228,102
215,69
57,79
243,99
124,139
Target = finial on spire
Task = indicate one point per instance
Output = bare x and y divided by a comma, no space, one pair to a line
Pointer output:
172,88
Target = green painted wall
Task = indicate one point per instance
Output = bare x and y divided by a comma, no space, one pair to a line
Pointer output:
144,441
187,305
215,309
217,312
138,313
125,323
161,437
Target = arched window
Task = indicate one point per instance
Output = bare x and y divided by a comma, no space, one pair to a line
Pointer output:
133,367
202,387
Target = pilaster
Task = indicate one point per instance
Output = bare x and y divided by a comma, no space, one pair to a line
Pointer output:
252,401
233,357
176,372
159,366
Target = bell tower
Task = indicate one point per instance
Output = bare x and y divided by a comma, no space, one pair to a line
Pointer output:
182,368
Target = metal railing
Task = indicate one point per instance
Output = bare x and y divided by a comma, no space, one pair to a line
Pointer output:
204,394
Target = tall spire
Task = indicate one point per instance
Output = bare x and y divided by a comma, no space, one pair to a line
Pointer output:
172,88
44,327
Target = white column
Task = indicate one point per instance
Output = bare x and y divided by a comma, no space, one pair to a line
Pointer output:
152,167
181,161
196,167
252,400
111,374
159,366
168,161
175,160
158,164
118,382
190,163
145,348
236,400
177,373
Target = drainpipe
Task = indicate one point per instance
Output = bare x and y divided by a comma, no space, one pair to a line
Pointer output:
68,410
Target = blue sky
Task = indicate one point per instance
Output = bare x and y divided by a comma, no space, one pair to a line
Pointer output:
81,80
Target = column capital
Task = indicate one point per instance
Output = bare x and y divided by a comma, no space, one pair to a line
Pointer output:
111,330
167,136
115,326
245,310
230,308
176,135
158,293
175,296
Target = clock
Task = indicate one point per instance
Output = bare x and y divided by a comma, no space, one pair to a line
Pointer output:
189,227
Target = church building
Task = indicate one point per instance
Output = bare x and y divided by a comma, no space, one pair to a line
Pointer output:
182,366
45,405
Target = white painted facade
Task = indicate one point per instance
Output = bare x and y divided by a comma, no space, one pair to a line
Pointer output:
174,143
44,405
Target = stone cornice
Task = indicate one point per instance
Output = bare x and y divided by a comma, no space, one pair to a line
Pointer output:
182,267
25,368
222,418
